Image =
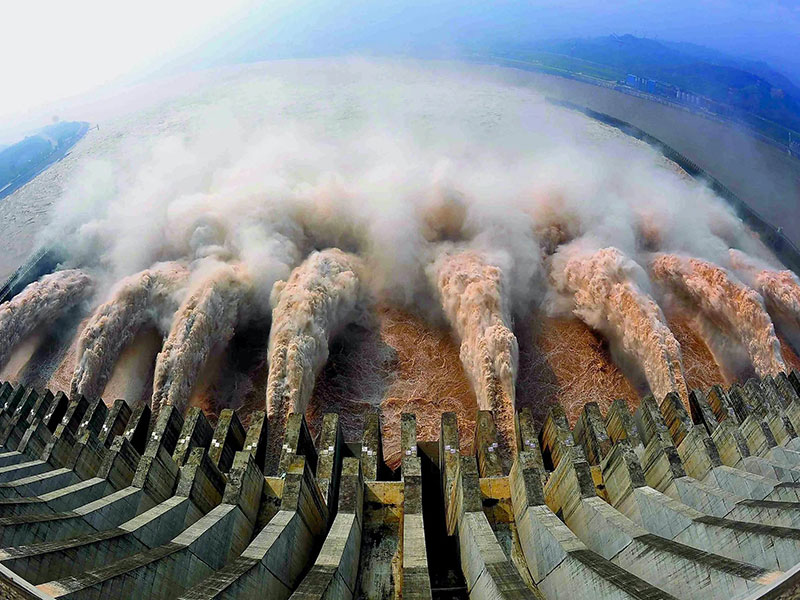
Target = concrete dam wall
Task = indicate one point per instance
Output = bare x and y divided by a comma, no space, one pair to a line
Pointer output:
102,501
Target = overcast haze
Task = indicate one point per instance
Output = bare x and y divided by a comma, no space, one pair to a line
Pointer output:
54,50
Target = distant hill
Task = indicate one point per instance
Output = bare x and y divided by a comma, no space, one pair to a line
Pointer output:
734,87
22,161
760,68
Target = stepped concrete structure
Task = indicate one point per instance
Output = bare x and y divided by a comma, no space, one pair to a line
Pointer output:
670,501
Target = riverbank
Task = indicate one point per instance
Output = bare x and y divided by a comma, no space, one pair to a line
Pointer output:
39,166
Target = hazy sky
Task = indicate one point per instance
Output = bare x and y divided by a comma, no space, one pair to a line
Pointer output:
53,49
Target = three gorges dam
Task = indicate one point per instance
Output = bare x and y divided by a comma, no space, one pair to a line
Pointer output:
282,337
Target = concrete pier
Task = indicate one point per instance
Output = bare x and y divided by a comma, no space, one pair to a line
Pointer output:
334,574
416,580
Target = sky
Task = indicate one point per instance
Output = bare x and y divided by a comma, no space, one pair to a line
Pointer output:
54,50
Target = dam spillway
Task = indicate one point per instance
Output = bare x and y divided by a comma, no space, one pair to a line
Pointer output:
413,374
665,502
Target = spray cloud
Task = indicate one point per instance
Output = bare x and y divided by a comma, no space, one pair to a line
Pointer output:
206,318
607,298
733,307
780,288
146,298
475,300
320,297
41,303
